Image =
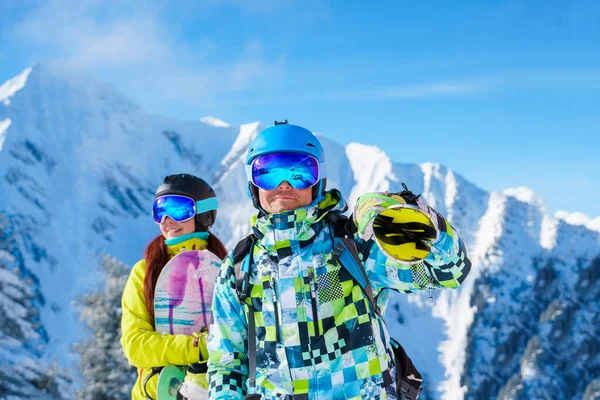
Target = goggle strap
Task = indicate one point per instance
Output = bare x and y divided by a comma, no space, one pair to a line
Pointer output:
205,205
322,170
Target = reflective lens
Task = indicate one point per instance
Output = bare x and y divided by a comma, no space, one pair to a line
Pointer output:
300,170
179,208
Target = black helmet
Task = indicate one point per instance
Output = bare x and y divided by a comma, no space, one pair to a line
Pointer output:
194,187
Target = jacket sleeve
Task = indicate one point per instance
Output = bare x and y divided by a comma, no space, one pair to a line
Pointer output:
142,345
227,348
446,266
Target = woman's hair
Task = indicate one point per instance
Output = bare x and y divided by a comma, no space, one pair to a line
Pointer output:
157,256
216,247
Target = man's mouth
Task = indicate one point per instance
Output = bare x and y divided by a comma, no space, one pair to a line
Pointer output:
283,198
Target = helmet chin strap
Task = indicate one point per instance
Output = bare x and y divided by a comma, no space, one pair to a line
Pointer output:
253,189
319,189
198,226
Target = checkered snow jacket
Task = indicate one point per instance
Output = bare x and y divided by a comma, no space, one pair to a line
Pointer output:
341,352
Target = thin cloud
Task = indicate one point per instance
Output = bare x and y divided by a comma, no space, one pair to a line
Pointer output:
134,44
74,31
514,80
398,92
542,78
482,84
426,90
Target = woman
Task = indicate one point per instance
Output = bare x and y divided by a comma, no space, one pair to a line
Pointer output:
184,225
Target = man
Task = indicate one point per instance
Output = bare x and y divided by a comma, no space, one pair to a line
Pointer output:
302,326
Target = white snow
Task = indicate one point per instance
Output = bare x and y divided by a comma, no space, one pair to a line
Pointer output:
594,224
451,193
433,177
372,169
548,233
461,316
12,86
525,195
579,218
576,218
247,132
4,124
215,122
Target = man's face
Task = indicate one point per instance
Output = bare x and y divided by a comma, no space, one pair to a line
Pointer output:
284,198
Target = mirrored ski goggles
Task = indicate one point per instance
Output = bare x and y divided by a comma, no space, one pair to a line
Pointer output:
300,170
180,208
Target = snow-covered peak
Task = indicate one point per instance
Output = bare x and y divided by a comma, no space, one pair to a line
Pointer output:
594,224
215,122
437,179
575,218
365,151
372,168
246,133
433,169
525,195
578,218
54,85
12,86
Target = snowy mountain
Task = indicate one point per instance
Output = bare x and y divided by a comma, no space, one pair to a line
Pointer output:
79,163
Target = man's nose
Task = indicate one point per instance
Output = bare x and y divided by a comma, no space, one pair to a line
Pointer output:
285,185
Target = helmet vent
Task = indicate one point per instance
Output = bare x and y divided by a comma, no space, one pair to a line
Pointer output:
311,145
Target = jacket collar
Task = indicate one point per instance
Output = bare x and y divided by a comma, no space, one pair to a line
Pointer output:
279,232
191,241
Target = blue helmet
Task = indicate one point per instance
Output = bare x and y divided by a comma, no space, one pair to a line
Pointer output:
283,137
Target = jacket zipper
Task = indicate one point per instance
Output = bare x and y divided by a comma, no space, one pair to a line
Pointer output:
313,297
276,310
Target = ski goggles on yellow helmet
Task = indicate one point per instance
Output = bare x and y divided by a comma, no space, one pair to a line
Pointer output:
404,233
300,170
180,208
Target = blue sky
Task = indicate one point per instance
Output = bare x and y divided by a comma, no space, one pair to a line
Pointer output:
505,94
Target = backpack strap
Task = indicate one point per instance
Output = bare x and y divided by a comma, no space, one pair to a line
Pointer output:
242,262
241,266
346,252
348,255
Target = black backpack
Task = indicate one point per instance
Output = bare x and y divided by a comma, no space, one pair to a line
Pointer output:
408,379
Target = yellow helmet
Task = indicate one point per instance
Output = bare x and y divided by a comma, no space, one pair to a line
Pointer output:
400,223
404,232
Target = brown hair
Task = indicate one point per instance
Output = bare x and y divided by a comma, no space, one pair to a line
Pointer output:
157,256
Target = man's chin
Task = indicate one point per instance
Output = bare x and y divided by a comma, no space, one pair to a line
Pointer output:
283,205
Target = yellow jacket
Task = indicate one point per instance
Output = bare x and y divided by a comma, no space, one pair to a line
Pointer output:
145,348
